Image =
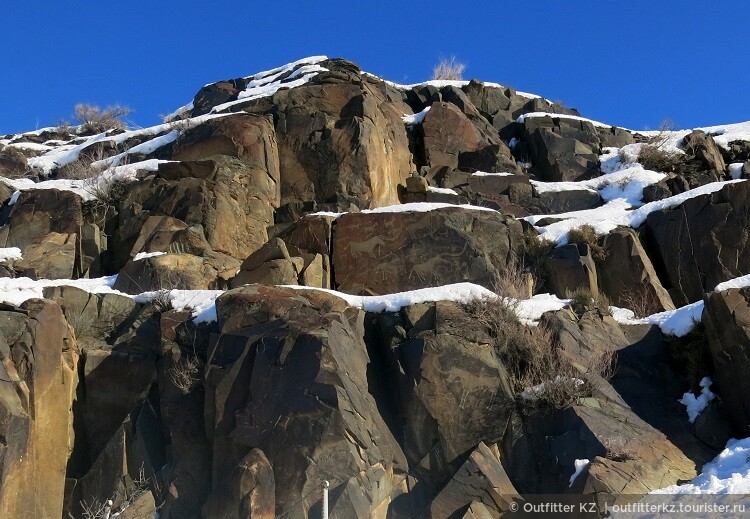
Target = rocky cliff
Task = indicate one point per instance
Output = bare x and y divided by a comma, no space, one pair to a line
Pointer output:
440,298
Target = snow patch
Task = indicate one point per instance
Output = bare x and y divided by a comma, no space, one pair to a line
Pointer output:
17,290
580,465
727,473
696,405
411,120
536,392
735,170
144,255
441,190
10,254
522,118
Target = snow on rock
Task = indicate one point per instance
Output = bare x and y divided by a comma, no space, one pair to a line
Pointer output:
696,405
441,190
10,253
727,473
17,290
201,303
411,207
735,170
144,255
411,120
616,212
529,311
681,321
423,207
580,465
265,84
87,189
740,282
485,174
727,133
522,118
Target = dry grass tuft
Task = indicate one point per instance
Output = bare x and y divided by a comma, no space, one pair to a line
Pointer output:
587,235
448,69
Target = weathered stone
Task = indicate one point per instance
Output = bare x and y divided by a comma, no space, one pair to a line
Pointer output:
181,271
570,267
383,253
726,317
703,147
52,258
567,201
480,479
627,276
702,242
13,163
562,149
39,366
248,491
452,389
451,139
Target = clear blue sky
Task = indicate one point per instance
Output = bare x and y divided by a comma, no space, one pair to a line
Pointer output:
630,63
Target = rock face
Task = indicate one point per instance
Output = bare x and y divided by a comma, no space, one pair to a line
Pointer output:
727,320
435,410
312,358
390,252
702,242
627,276
45,225
39,379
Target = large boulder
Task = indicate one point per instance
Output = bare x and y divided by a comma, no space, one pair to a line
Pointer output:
702,242
45,225
219,198
726,317
562,148
571,267
39,365
381,253
300,255
451,139
289,375
627,276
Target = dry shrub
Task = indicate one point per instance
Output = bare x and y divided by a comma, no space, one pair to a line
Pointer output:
534,257
582,301
656,159
96,120
515,280
618,449
185,373
134,488
641,299
587,235
448,69
540,373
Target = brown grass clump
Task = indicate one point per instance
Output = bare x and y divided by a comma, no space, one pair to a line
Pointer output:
587,235
540,373
582,301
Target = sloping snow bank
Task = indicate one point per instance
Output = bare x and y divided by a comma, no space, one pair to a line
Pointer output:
727,473
681,321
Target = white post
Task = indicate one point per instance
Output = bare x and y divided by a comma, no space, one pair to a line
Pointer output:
325,499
